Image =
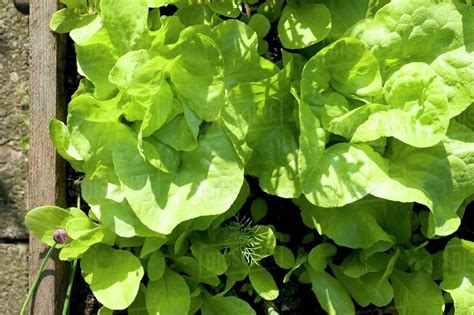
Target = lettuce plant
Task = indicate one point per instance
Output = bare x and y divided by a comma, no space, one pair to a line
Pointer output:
360,112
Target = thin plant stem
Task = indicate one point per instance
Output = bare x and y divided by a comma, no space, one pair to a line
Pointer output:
36,282
67,300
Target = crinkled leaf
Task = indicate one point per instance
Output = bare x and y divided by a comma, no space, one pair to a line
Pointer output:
238,45
126,22
95,59
346,66
412,30
259,116
208,181
456,68
438,177
419,109
458,274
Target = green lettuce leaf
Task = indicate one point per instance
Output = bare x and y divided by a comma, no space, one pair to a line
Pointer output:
360,224
416,293
412,30
298,27
458,274
169,295
368,289
126,23
456,68
346,66
113,275
345,173
438,177
217,305
208,181
419,109
331,295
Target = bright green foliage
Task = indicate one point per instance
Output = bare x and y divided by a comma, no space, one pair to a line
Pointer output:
458,274
330,293
217,305
262,281
113,275
169,295
156,266
416,294
303,25
366,124
284,257
43,221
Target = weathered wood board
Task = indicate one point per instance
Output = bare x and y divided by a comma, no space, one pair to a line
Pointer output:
46,177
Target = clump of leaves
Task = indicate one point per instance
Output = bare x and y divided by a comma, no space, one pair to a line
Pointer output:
368,113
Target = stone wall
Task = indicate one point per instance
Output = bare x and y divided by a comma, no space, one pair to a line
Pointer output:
13,157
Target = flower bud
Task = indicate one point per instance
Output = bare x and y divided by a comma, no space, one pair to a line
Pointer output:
60,236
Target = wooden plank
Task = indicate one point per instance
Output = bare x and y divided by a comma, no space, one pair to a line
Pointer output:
46,178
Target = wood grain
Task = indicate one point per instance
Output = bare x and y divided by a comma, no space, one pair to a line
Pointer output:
46,178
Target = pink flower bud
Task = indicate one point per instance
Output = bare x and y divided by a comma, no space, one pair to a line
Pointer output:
60,236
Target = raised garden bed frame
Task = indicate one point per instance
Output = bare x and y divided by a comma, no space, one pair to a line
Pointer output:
46,175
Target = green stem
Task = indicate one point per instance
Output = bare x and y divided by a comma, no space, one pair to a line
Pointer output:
67,300
36,282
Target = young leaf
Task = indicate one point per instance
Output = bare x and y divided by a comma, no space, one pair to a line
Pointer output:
156,266
169,295
416,293
43,221
197,271
229,305
262,281
303,25
368,289
258,209
260,24
331,295
209,257
113,275
284,257
319,256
